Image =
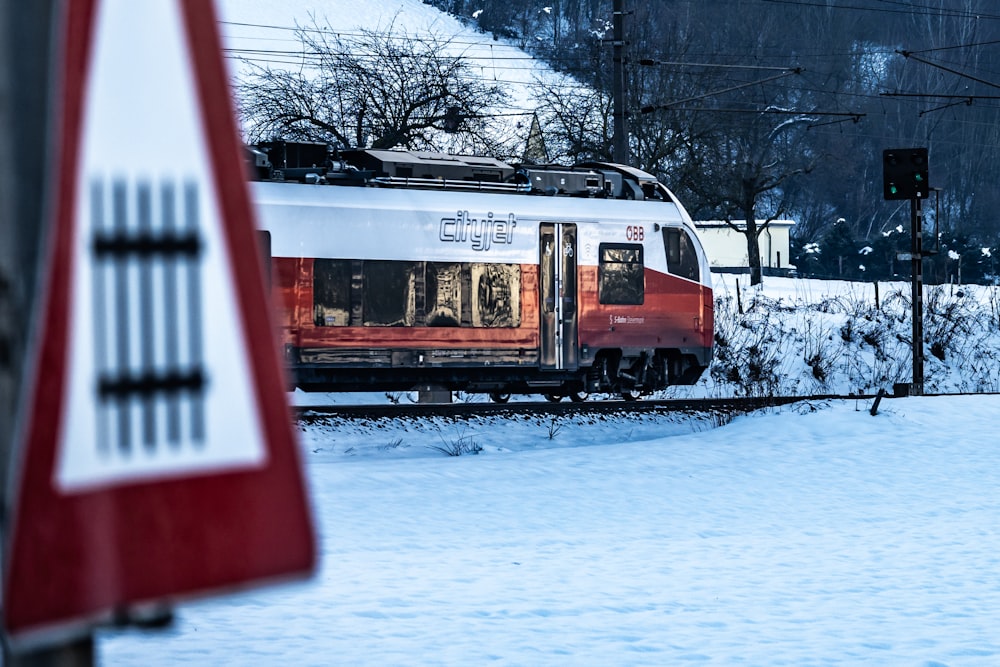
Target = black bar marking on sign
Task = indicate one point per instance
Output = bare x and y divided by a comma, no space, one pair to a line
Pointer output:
151,261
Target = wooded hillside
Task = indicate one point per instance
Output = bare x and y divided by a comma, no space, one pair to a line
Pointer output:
793,100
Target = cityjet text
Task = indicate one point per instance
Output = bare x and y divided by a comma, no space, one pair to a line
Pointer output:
480,232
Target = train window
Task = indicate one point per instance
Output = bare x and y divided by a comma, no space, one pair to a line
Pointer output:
389,294
682,260
568,269
444,295
264,247
331,292
621,276
496,295
547,271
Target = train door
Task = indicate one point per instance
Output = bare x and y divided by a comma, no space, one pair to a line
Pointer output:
557,286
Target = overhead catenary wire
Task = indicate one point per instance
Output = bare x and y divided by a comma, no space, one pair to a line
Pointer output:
668,105
262,57
649,62
931,63
911,10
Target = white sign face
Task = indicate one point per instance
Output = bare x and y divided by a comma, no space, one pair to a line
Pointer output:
158,381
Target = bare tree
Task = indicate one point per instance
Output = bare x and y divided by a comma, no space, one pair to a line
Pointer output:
739,175
576,120
577,117
375,89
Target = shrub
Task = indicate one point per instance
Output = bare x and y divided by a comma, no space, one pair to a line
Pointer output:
463,444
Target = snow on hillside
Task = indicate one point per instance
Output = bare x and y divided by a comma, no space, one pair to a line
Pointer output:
248,26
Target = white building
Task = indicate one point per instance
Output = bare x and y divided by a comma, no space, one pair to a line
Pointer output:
727,248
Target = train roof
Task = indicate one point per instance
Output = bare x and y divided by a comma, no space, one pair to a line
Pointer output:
321,164
425,164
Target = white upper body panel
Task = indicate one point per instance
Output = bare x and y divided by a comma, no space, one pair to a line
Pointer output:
451,226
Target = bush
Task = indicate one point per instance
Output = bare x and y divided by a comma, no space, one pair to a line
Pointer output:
463,444
847,343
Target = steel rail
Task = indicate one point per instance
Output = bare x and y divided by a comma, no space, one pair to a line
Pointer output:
460,411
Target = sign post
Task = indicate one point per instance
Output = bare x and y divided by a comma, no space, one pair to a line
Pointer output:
157,459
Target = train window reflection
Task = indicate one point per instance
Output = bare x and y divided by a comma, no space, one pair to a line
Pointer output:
444,295
434,294
331,292
496,295
621,278
389,294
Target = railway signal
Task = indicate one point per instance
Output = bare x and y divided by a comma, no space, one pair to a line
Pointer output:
157,460
904,173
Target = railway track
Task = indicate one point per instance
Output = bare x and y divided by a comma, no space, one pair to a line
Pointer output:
459,411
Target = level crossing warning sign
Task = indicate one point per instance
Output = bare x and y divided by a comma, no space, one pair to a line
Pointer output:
157,456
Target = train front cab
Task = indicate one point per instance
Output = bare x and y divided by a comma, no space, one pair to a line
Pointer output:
645,316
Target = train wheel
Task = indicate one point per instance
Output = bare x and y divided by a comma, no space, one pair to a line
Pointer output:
631,395
497,397
578,396
553,398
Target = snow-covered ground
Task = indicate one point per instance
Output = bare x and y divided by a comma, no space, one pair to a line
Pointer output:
811,534
817,534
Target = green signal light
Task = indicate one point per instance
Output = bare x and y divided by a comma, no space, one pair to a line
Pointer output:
893,189
918,177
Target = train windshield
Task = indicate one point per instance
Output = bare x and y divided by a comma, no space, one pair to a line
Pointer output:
682,259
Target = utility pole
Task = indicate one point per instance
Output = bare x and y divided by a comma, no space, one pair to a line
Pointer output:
620,136
27,98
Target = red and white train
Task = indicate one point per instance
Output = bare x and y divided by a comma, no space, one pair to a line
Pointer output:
397,270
